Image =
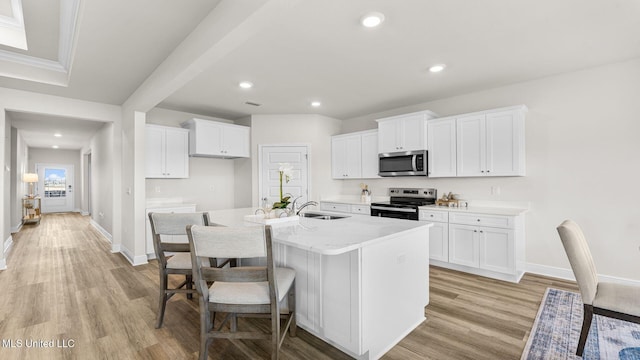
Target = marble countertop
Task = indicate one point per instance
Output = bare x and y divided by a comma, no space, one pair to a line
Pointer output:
327,237
507,211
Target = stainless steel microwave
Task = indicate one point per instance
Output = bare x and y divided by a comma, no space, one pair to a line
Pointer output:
405,163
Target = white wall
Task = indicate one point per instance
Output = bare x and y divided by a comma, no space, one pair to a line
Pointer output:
19,166
6,189
582,152
242,178
315,130
211,181
102,167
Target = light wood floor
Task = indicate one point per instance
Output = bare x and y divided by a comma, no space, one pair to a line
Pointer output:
64,284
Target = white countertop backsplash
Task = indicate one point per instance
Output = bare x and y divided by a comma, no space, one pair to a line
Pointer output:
491,210
510,208
353,199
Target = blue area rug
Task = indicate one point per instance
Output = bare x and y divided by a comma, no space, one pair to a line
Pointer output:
556,331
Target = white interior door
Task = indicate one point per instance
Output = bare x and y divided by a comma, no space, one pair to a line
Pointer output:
55,187
271,156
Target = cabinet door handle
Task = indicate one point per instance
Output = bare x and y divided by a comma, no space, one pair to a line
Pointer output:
475,230
431,215
478,220
488,171
482,232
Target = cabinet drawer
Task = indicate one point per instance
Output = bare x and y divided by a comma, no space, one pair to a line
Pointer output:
335,207
498,221
429,215
361,209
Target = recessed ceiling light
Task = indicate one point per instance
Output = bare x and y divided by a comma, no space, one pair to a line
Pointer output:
437,68
316,103
55,146
246,85
57,135
372,19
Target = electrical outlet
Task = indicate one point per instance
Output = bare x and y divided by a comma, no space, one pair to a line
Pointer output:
212,188
158,189
495,190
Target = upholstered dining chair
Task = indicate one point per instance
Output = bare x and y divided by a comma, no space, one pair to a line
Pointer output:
256,291
173,256
600,298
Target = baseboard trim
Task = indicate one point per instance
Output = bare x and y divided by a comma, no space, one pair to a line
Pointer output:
17,228
102,231
134,260
7,244
567,274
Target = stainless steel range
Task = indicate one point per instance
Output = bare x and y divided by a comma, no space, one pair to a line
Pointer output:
403,203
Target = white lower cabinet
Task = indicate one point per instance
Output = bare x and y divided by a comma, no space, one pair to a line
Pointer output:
497,249
463,245
438,234
482,244
346,208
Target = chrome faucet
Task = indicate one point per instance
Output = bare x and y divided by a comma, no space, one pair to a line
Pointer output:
308,203
294,204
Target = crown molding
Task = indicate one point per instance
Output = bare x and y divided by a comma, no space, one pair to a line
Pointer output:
53,72
12,28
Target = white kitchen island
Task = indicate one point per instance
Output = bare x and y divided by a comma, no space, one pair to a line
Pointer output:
362,282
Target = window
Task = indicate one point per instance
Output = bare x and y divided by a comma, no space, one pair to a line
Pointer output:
55,183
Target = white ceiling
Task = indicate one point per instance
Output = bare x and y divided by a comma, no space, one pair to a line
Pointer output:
38,130
317,50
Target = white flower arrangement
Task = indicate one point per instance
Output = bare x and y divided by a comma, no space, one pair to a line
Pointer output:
286,172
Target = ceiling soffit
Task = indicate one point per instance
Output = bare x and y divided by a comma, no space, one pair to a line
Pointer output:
38,69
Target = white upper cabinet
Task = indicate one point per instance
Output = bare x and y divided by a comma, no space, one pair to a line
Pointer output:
370,154
491,143
471,146
166,152
404,132
442,147
355,155
217,139
346,157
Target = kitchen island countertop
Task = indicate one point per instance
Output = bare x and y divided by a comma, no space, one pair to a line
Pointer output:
326,237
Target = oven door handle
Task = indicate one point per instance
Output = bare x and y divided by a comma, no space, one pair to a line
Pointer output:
393,209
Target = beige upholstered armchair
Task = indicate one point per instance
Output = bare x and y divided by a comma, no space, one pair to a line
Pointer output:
600,298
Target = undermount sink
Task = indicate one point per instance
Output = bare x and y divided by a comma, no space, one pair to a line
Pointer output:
320,216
